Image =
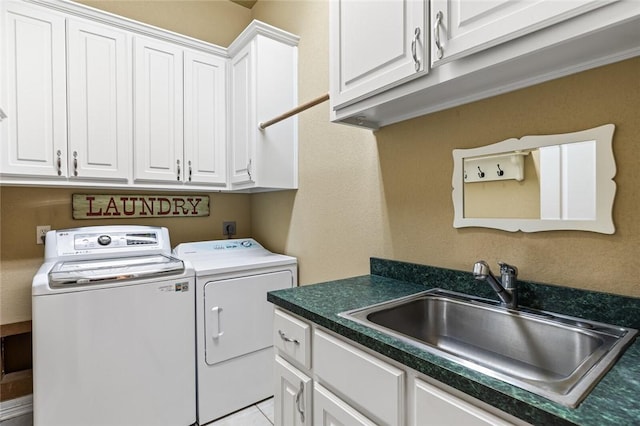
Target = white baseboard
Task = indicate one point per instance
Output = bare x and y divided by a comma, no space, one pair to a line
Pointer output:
16,407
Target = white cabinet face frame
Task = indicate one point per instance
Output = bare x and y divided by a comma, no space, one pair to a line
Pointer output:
464,27
99,80
158,103
204,118
375,45
33,93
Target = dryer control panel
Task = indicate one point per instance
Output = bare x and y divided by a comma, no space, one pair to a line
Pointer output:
241,245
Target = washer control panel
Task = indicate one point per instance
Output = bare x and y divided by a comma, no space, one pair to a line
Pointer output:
114,239
100,241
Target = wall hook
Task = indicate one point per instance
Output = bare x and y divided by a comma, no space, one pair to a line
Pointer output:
500,171
480,172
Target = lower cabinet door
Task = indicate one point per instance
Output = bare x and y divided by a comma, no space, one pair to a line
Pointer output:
292,395
329,410
436,407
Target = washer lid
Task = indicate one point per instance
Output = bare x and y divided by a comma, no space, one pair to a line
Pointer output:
99,271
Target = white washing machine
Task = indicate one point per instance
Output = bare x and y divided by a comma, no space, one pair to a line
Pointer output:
234,321
113,333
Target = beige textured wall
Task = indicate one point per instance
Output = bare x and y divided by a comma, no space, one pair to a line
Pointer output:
334,222
22,209
415,158
214,21
388,193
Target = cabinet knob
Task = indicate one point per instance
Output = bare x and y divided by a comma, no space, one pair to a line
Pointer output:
190,171
178,171
436,34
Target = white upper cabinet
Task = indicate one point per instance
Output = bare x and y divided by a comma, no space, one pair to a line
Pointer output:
204,118
179,131
33,95
242,137
263,84
89,99
464,27
158,130
99,81
478,49
375,46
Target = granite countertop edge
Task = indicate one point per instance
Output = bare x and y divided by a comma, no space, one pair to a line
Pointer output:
612,401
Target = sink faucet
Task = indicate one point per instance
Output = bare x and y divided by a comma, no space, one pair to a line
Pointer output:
507,290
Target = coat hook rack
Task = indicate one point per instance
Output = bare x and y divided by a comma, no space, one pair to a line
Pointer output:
294,111
508,165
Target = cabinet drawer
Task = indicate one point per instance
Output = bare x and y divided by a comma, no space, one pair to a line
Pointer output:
292,337
379,387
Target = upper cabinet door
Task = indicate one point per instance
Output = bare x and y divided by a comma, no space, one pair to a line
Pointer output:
464,27
99,101
243,121
158,100
33,95
204,118
375,45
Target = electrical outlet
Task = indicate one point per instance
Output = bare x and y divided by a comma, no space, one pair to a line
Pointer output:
41,233
229,229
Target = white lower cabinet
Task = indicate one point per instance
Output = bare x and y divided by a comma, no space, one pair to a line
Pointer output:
292,396
434,406
329,410
355,386
375,387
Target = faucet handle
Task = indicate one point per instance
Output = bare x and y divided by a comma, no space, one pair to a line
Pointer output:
505,268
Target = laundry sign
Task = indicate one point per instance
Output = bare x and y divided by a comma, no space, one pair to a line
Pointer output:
88,206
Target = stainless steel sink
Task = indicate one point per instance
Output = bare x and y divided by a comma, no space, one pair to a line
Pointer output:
552,355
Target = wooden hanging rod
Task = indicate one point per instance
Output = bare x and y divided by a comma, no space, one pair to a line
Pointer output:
294,111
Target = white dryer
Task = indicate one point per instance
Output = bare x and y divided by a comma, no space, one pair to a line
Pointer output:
234,346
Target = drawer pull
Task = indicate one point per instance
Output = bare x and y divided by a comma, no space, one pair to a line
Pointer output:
287,339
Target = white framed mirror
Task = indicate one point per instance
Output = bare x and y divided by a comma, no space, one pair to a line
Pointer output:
537,183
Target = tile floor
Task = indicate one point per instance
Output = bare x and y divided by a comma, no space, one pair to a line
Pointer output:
260,414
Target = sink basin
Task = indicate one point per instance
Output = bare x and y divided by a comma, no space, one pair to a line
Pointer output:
555,356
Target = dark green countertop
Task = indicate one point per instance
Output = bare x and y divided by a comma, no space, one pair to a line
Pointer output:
614,401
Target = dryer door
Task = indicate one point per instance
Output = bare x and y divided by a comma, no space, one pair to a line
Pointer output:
238,318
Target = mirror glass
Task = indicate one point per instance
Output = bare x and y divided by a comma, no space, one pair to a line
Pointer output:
538,183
